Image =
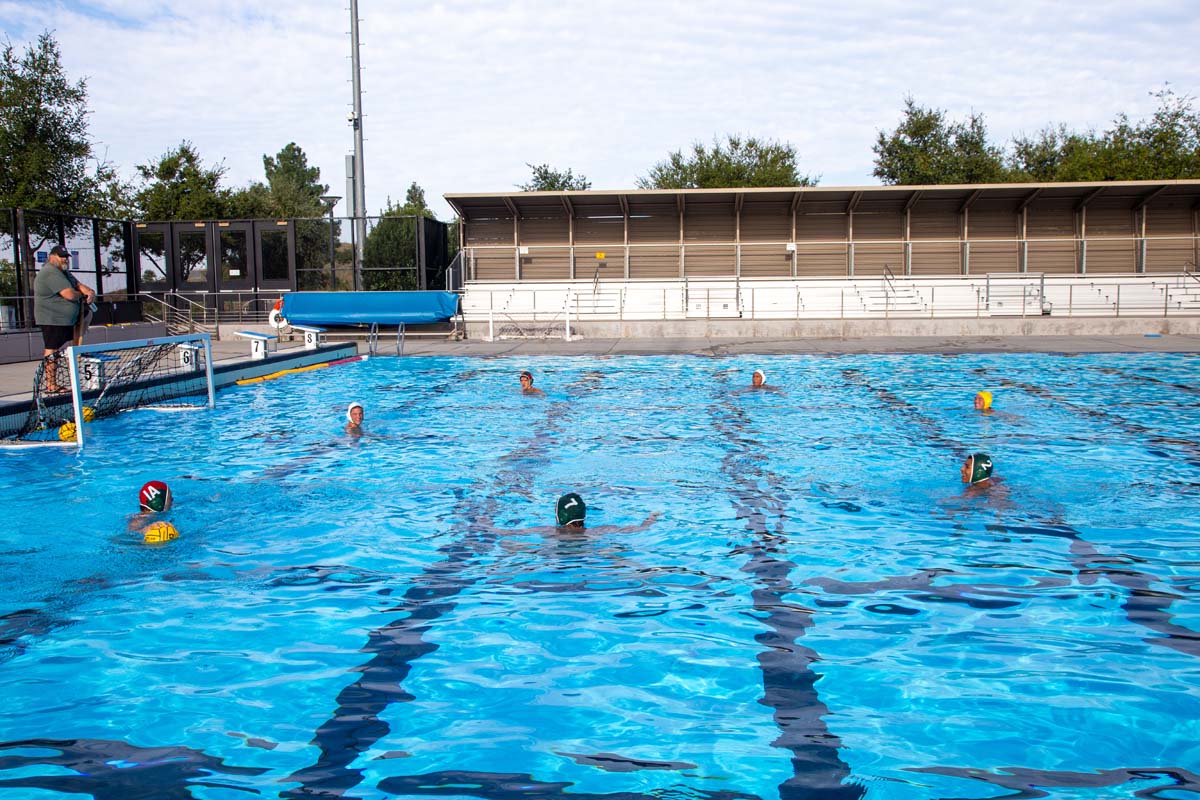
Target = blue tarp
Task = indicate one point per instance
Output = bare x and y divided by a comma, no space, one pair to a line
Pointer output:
384,308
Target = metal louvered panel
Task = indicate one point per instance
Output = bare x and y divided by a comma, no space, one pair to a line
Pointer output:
1169,220
991,256
878,227
871,257
495,264
934,222
653,223
1051,257
546,263
766,222
700,260
1109,220
1050,220
821,227
766,261
654,262
550,229
936,258
1169,255
1110,255
709,222
821,259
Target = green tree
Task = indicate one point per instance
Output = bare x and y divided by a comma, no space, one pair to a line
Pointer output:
390,251
295,187
46,157
252,201
1164,147
179,187
737,162
547,179
927,148
414,202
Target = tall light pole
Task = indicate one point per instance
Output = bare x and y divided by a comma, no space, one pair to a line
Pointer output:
360,193
331,201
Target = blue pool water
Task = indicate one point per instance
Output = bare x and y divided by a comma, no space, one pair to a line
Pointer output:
818,612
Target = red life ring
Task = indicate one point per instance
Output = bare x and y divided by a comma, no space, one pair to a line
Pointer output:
276,316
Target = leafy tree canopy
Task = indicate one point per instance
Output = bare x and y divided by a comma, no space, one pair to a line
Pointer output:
547,179
732,163
178,186
928,148
1164,147
295,187
46,156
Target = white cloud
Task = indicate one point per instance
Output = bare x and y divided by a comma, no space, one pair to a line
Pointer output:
459,95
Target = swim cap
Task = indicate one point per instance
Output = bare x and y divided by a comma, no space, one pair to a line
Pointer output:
987,399
981,467
571,508
760,372
155,496
526,374
350,408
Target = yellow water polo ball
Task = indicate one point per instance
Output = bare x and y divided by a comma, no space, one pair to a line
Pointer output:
89,413
66,431
159,532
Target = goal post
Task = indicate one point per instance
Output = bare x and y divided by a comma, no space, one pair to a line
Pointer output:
168,373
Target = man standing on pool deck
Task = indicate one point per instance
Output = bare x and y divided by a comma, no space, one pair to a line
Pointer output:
527,386
56,308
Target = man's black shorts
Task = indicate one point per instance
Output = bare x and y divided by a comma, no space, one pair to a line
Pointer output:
55,336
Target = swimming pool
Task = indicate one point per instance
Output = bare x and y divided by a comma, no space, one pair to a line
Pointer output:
819,611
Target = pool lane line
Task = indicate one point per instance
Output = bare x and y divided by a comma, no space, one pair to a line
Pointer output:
355,726
522,786
1029,783
789,683
1191,448
110,769
1148,379
1145,606
933,432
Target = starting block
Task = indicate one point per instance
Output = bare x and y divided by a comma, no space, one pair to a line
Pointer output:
312,336
260,343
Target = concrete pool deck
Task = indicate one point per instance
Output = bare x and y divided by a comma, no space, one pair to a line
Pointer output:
16,379
817,346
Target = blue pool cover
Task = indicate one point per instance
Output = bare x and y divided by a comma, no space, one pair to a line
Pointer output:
384,308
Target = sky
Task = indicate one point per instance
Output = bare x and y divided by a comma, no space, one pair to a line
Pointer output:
461,96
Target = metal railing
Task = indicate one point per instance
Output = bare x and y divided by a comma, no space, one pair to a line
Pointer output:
205,312
993,295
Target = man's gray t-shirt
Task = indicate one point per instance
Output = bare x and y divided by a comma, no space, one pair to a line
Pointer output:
50,307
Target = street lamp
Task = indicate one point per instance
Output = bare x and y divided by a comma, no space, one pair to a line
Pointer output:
331,200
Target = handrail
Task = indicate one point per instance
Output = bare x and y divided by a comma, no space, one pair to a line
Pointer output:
889,279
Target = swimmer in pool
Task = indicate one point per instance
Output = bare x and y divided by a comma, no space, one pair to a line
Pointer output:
977,473
354,419
571,512
153,498
758,382
527,386
983,402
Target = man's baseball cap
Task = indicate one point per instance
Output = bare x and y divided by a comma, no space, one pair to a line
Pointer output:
60,251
